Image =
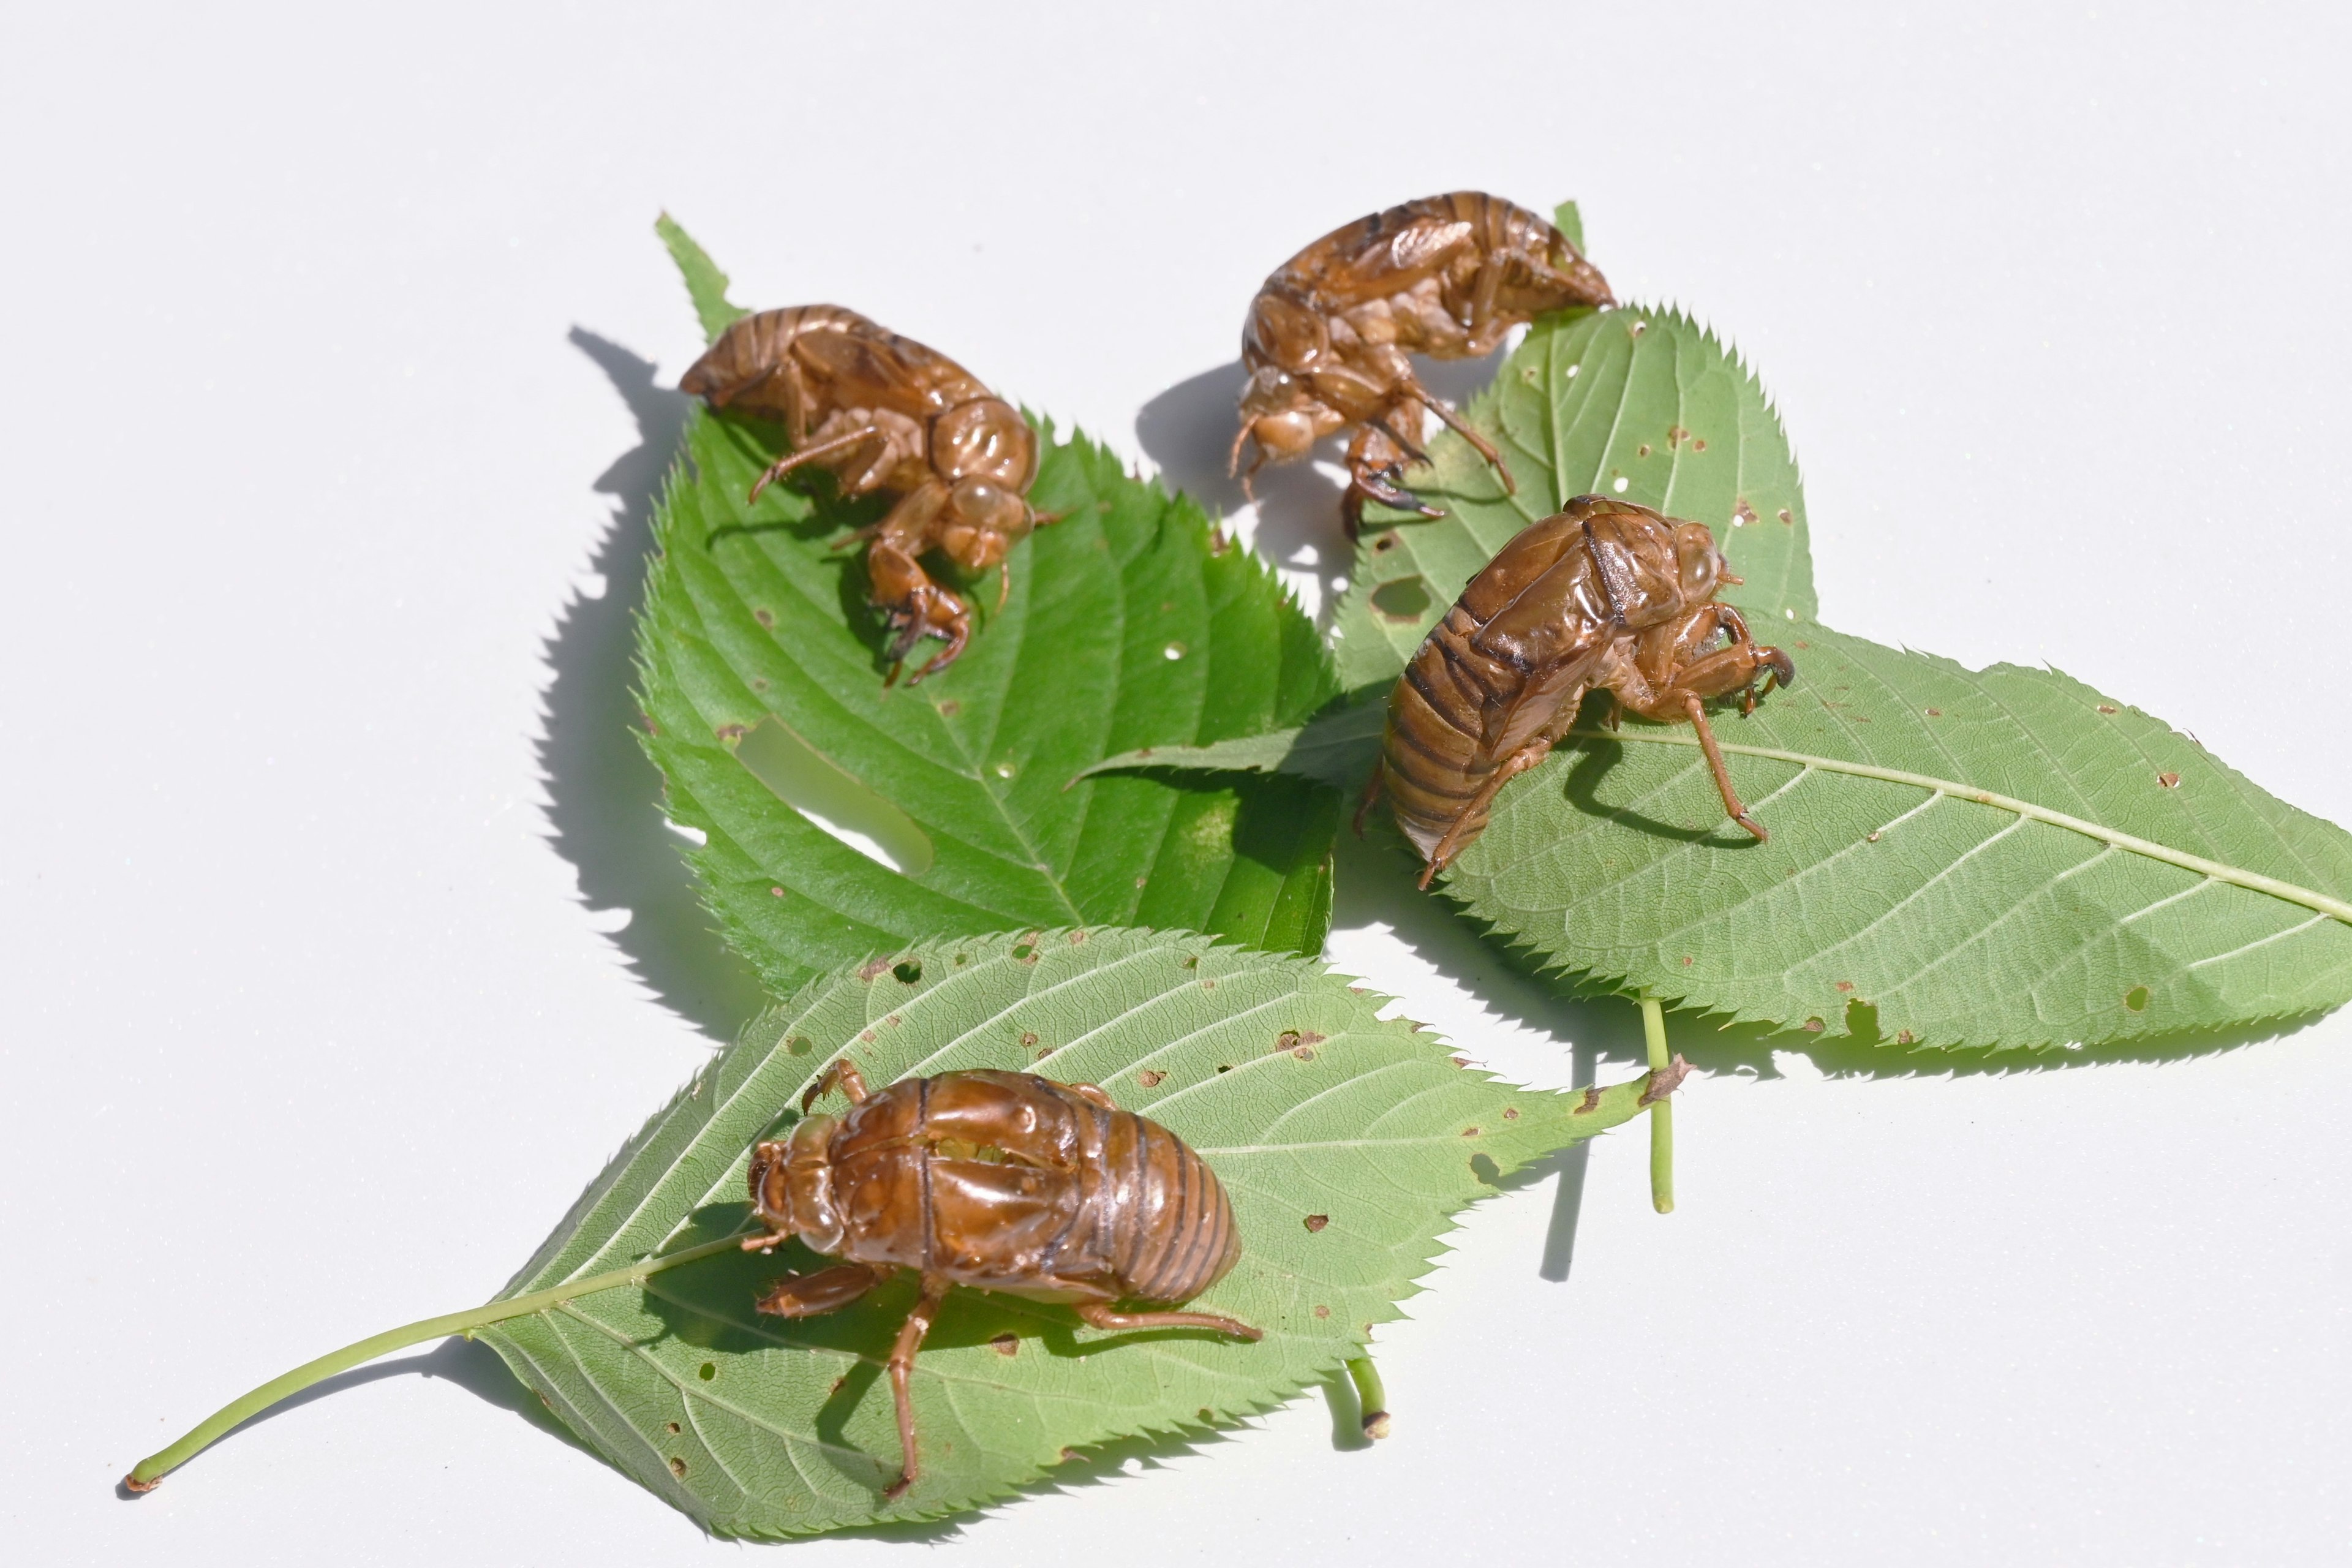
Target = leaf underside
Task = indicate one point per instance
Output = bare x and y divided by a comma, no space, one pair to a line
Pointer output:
1637,396
1128,622
1884,911
1277,1072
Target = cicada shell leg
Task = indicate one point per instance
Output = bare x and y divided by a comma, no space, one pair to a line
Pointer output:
1101,1316
902,1369
790,460
1697,710
827,1290
842,1074
1506,769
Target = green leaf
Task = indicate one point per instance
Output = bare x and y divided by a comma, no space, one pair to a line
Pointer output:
705,284
1337,747
1280,1074
1637,396
1570,221
1127,625
1999,858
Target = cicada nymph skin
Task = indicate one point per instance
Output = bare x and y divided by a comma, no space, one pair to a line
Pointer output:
1604,595
887,413
995,1181
1329,336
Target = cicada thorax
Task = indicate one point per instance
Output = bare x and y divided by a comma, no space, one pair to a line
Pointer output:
1511,661
1012,1182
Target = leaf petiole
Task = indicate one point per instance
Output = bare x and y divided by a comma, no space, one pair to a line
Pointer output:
1662,1109
152,1469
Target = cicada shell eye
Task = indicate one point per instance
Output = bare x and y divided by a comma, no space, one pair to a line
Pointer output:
770,1198
1700,562
1287,434
985,517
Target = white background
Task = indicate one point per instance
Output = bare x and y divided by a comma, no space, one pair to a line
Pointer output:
340,938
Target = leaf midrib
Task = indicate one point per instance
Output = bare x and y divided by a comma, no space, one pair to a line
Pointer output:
2237,876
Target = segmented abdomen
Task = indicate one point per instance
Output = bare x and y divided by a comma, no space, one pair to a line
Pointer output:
754,347
1434,755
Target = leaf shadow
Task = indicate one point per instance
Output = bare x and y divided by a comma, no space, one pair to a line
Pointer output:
603,809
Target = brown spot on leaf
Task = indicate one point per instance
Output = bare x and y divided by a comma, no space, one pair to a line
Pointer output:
1699,443
1469,1133
1028,1036
764,615
1384,543
1077,936
677,1466
2169,781
1510,1113
1315,1221
1643,450
1005,1344
1461,1061
1904,1037
1813,1026
1592,1102
1150,1080
1845,984
1676,435
1871,836
673,1426
1322,1311
1686,960
951,708
2106,708
775,893
1785,517
1935,712
873,968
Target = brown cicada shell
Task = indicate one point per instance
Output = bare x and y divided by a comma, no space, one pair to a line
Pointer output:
999,1181
885,413
1605,595
1329,335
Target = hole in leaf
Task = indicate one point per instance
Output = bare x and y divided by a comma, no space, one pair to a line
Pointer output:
709,1370
1406,599
677,1466
2136,998
829,795
908,971
1862,1021
1174,650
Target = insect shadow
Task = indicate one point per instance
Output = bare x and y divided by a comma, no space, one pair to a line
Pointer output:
1188,431
1593,762
709,1305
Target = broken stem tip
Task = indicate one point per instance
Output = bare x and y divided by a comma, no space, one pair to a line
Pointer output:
1370,1397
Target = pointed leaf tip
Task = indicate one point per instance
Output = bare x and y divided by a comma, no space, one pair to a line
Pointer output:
705,284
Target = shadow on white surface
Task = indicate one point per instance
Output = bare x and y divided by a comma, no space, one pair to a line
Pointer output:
603,794
1188,431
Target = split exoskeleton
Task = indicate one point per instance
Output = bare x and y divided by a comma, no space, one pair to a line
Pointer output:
1604,595
1329,333
999,1181
885,413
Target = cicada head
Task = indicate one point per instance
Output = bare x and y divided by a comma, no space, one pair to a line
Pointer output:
791,1184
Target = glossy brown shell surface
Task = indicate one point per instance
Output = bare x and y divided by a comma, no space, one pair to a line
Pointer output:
1009,1181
